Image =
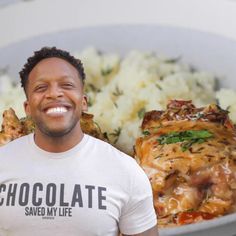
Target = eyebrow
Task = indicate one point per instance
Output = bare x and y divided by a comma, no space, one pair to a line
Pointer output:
60,78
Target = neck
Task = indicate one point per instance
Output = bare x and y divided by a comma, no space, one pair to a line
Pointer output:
58,144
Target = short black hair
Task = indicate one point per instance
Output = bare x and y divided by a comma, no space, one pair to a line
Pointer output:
48,52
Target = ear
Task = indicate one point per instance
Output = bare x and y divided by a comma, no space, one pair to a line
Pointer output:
27,108
85,103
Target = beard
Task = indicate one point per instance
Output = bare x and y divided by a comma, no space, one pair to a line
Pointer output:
56,132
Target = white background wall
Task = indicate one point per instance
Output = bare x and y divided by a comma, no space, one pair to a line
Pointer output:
24,19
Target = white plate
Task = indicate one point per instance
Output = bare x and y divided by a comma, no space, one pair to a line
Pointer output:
205,51
222,226
202,50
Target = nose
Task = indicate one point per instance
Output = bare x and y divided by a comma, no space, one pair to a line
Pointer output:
54,91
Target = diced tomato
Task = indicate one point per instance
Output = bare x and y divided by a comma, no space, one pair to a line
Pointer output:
191,217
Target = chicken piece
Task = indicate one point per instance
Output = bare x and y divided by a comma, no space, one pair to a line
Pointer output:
13,128
189,155
178,199
28,125
92,128
190,217
4,138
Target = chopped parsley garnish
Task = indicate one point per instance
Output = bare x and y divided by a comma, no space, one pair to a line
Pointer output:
188,138
116,134
146,132
173,60
117,92
93,88
106,71
158,86
141,113
90,101
115,104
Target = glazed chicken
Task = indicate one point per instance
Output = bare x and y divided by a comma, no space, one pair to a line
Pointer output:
189,155
13,127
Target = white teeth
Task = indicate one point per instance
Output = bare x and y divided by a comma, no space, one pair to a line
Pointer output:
56,110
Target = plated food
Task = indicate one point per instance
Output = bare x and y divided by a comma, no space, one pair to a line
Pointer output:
189,155
13,127
121,89
128,83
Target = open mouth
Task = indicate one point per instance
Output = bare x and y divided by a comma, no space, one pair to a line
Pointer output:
56,110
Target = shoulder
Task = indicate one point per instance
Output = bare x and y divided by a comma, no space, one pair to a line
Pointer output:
114,159
13,154
111,152
14,146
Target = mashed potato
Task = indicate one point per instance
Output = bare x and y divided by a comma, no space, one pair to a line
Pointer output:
227,100
135,84
121,90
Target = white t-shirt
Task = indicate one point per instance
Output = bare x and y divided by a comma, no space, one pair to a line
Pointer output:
92,189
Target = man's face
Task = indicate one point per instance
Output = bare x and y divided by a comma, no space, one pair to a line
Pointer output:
55,98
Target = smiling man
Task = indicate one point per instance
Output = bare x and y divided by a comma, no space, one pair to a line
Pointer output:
60,181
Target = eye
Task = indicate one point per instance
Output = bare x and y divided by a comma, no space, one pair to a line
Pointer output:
67,85
40,88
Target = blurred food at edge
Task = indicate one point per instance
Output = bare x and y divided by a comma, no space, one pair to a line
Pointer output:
122,89
157,110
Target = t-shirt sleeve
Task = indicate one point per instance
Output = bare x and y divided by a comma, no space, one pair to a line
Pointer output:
138,215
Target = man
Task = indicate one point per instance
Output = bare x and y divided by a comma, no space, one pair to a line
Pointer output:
59,181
